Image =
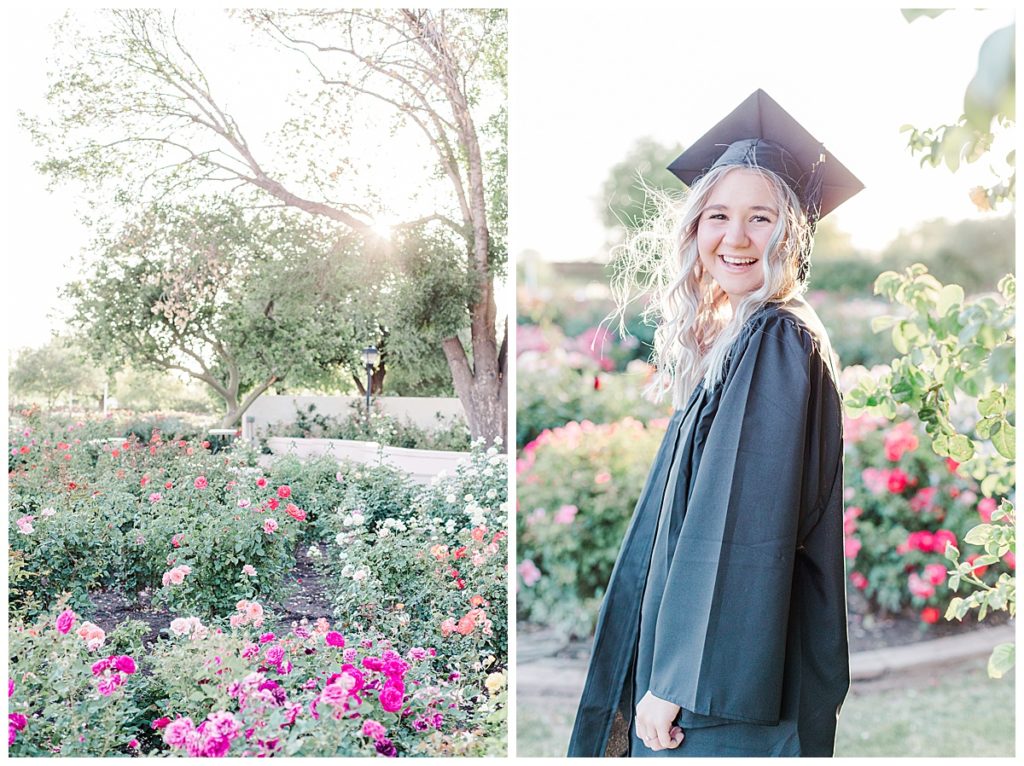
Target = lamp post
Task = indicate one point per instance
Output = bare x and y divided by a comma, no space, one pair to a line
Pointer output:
370,357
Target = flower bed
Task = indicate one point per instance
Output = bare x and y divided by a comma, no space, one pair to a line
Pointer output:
576,490
207,539
904,505
206,691
578,485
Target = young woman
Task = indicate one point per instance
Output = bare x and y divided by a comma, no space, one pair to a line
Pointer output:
723,628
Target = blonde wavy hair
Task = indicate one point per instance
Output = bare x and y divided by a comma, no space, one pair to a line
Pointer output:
696,325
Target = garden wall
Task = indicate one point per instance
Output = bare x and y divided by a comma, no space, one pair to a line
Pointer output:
421,410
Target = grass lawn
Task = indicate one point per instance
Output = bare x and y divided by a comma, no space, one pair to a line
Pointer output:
960,713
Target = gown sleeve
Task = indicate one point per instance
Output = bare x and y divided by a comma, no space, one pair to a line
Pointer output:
720,636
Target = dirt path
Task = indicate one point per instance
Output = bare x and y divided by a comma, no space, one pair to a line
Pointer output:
306,598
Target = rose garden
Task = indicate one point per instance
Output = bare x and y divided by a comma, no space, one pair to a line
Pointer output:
402,650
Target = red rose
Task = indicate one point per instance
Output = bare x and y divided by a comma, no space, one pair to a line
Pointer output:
898,481
295,512
977,571
284,491
930,615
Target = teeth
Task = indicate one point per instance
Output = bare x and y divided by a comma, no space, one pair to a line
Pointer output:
738,261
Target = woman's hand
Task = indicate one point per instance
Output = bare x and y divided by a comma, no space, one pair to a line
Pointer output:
654,717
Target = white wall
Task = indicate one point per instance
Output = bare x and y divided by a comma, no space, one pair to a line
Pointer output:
420,410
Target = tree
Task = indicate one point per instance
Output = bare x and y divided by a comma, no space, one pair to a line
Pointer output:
624,198
55,369
136,114
234,300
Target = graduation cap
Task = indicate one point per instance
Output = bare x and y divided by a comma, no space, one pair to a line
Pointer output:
761,133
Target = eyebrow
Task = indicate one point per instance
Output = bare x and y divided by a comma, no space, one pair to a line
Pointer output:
753,207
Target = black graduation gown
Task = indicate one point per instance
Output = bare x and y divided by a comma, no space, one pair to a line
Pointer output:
735,554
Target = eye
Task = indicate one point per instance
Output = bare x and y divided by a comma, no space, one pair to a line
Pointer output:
715,217
761,219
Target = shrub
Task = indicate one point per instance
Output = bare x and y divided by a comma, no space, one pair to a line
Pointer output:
314,690
577,488
904,503
136,511
440,568
72,694
556,387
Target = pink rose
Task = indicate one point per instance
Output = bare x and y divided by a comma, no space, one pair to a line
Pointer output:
125,664
391,698
284,491
155,497
859,581
985,508
529,572
852,547
65,621
940,538
334,638
269,526
923,500
200,482
900,439
935,573
566,514
374,729
249,570
875,479
919,587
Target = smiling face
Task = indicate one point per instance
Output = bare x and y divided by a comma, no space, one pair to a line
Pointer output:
734,229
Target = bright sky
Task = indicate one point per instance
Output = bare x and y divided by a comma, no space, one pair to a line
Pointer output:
586,85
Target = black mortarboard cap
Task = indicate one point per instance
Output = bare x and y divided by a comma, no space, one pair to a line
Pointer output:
760,132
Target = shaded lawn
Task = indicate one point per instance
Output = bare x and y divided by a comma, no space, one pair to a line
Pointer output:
961,712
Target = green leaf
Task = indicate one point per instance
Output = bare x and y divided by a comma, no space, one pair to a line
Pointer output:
992,403
1004,441
949,296
952,552
878,324
961,449
979,535
954,605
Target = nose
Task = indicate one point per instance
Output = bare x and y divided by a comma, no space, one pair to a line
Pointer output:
736,234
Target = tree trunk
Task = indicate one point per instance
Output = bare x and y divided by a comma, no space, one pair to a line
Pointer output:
235,410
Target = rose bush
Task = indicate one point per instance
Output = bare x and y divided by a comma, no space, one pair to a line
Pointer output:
904,504
560,381
73,689
577,487
209,692
441,568
133,512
